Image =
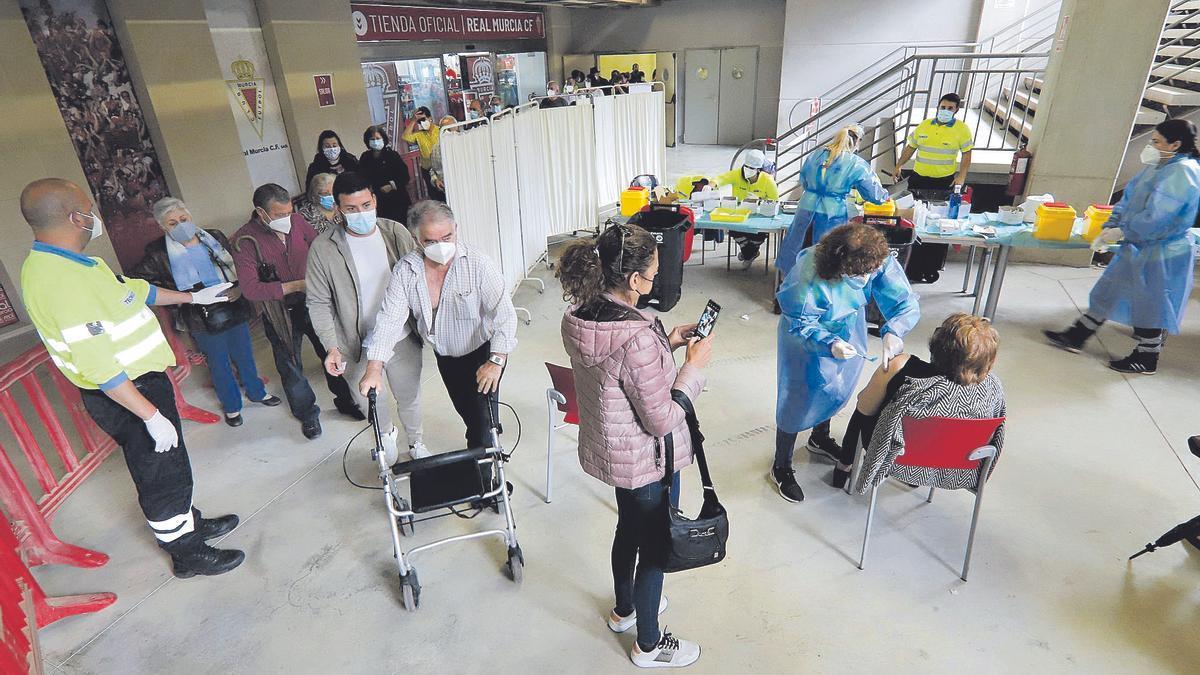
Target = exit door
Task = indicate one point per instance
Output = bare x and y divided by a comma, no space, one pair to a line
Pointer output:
720,95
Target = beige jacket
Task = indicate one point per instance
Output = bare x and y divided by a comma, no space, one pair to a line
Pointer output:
332,282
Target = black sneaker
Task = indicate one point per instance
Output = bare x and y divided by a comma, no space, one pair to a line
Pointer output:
785,481
211,528
1194,445
234,419
204,560
824,446
311,428
1064,340
1136,364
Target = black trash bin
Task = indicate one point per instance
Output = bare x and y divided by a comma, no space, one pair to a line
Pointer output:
669,224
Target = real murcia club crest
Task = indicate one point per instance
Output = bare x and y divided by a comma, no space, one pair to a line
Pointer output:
248,90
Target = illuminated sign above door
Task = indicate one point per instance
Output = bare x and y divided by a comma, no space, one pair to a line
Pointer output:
392,23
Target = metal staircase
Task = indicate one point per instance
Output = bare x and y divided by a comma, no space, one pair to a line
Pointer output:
1173,89
998,78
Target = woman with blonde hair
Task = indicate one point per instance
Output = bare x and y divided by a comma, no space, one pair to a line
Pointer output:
827,176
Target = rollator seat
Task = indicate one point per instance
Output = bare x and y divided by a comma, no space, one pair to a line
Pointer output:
447,479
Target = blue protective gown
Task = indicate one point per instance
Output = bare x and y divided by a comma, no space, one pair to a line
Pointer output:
813,384
823,204
1148,282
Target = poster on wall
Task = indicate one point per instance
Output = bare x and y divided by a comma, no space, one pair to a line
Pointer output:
480,75
324,84
86,71
238,40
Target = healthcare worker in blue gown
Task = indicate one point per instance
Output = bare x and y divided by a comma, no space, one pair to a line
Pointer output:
1148,281
823,332
827,176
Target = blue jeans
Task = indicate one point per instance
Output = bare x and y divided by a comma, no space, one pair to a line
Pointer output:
637,571
225,350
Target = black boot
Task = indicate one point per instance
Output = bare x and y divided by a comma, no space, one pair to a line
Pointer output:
349,408
1137,363
211,528
190,556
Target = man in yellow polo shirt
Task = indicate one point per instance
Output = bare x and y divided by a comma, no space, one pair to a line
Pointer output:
937,143
102,336
750,180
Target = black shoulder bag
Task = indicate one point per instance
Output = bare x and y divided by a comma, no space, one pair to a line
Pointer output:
692,543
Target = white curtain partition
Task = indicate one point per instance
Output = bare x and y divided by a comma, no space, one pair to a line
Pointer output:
517,180
471,187
508,206
569,156
609,179
532,187
631,139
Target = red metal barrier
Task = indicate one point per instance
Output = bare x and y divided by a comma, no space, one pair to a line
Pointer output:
30,516
22,599
183,368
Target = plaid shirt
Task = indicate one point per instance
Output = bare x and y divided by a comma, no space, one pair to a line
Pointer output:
473,309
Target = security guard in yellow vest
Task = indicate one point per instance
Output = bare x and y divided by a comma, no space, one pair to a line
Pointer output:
102,336
937,143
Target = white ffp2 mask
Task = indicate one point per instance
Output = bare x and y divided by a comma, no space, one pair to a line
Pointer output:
440,252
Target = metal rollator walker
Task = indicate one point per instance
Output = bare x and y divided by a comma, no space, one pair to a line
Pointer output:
472,479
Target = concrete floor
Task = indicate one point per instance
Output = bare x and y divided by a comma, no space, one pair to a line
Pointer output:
1095,465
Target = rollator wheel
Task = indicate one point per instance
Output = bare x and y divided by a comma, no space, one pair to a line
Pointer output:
410,590
516,564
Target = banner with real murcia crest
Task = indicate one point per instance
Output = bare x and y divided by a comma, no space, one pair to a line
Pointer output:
242,55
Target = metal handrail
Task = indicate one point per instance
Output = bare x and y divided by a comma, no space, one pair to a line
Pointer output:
908,85
1191,17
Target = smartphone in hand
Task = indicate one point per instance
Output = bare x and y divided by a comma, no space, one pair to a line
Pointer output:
708,319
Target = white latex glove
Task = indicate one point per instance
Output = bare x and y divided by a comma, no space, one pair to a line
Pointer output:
893,346
211,295
843,350
1109,235
162,431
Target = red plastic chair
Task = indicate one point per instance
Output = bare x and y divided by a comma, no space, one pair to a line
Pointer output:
561,396
945,443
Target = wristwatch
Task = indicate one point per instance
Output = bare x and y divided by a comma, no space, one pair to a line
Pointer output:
497,359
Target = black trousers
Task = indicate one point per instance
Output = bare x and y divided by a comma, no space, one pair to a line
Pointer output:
299,393
163,479
918,182
458,374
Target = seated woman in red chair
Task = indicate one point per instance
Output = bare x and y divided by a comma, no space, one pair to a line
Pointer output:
957,382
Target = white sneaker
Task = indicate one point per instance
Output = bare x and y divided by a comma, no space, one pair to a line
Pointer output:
620,624
670,652
391,454
419,451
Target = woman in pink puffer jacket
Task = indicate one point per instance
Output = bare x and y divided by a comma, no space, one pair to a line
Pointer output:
624,374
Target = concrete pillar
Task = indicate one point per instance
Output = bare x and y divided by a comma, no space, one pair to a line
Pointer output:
178,81
35,140
315,37
1093,89
558,41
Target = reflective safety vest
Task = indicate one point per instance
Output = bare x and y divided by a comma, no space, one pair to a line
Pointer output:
764,186
95,324
938,146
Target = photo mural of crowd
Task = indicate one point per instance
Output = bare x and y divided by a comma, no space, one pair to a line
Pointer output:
92,86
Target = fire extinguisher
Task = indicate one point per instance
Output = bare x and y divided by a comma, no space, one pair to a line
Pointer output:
1018,171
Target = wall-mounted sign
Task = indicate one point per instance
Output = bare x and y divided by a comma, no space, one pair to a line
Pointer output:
392,23
324,90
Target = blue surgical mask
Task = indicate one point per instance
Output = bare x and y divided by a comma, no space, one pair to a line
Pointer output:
183,231
944,116
326,201
857,282
362,222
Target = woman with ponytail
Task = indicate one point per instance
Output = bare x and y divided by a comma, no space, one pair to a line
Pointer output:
827,176
1148,282
624,373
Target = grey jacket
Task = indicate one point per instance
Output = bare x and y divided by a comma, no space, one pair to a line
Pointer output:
332,282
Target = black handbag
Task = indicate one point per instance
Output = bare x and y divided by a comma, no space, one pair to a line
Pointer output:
692,543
